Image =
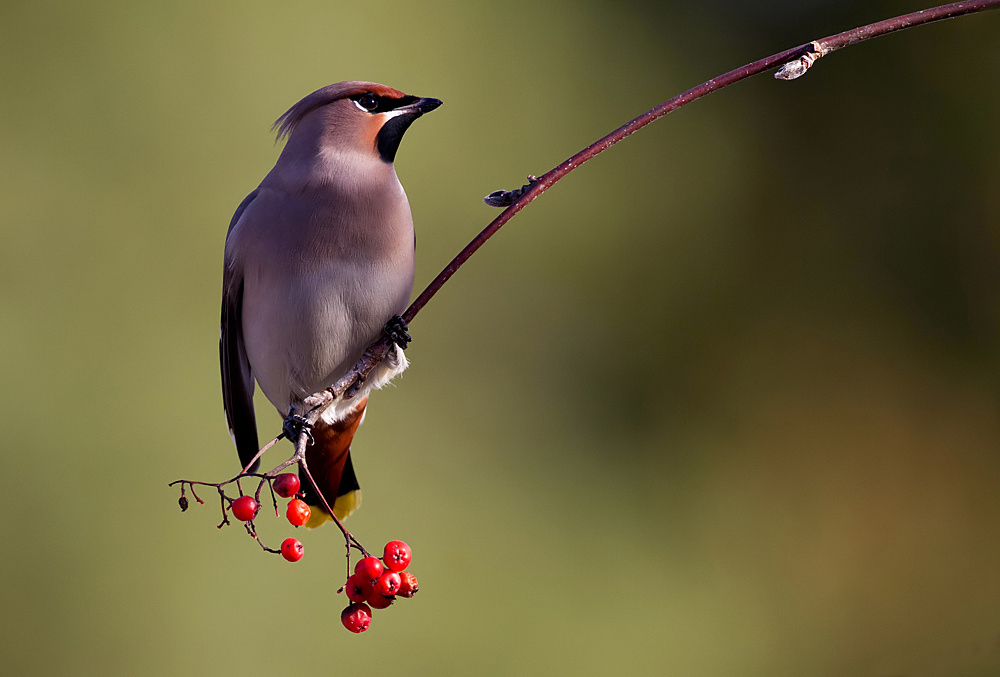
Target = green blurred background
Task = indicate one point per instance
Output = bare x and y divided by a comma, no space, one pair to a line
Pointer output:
723,402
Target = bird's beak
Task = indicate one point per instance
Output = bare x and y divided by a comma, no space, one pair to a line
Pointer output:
420,106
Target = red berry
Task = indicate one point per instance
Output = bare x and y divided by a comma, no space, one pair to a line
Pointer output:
377,601
358,589
369,568
286,485
357,617
407,584
292,550
245,508
397,555
298,512
387,584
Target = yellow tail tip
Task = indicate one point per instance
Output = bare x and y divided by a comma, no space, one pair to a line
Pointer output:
342,508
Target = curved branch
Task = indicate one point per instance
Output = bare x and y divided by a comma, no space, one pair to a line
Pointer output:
794,63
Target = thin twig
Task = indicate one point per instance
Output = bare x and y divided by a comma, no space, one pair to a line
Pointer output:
252,530
260,453
300,456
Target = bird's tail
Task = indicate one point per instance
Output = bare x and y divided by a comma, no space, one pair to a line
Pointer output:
329,460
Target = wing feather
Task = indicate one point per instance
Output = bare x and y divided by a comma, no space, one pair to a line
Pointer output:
237,376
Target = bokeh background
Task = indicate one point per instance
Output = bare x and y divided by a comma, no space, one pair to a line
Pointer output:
723,402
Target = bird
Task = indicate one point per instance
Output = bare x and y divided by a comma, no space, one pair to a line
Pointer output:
319,264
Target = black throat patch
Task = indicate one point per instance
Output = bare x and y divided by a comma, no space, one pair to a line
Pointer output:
388,138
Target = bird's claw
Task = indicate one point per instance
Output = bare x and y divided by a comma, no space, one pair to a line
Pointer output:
396,329
295,425
353,389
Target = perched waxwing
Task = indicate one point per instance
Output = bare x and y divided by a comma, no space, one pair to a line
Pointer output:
319,258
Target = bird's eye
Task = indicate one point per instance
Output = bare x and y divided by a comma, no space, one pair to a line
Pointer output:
368,102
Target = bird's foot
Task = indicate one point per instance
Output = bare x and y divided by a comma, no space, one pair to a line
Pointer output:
396,329
353,389
294,425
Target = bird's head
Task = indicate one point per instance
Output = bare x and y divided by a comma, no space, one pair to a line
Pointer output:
354,117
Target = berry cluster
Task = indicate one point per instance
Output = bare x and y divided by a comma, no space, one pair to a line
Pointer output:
376,584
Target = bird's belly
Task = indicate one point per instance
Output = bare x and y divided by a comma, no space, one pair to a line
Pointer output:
304,331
